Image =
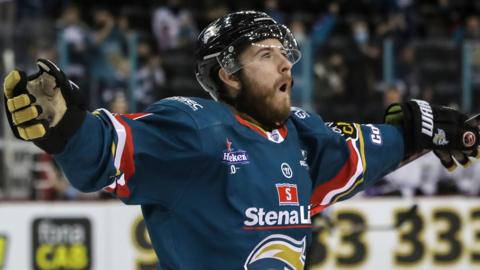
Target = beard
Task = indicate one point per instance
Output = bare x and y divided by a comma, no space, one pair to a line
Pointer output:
263,106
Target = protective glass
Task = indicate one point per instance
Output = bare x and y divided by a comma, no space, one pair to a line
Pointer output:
229,57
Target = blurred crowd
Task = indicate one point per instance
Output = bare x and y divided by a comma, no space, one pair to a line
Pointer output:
365,54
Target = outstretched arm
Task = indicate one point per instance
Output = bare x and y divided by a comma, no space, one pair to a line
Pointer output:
344,158
140,157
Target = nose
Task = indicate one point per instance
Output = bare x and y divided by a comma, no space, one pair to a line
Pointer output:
285,65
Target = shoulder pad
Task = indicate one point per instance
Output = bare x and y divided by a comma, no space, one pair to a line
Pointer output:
308,122
183,103
203,111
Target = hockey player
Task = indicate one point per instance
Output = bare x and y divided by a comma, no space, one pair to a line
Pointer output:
231,183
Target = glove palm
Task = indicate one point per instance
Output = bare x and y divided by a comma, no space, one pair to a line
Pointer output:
44,108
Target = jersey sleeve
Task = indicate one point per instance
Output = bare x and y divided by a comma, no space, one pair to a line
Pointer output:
141,158
344,158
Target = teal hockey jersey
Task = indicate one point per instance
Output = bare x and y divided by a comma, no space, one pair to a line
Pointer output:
218,192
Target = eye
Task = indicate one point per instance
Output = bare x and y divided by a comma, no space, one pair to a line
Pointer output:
266,55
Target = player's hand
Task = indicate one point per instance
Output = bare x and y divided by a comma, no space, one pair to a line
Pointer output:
444,130
449,159
45,107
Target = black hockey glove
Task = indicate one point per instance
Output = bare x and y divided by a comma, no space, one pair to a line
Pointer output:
430,127
45,108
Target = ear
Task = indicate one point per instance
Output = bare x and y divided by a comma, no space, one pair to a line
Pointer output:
230,80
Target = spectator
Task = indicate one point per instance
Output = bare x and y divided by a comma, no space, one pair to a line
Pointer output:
330,71
346,37
374,113
49,182
407,72
472,28
364,53
119,103
151,78
73,53
272,8
7,16
109,65
173,26
466,181
298,28
324,25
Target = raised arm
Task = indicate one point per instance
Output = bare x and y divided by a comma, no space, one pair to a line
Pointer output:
344,158
143,158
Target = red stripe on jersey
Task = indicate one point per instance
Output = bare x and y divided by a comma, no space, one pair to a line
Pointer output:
282,130
341,179
127,164
317,209
279,227
251,126
135,116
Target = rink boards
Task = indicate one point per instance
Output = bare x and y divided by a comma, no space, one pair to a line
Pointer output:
444,233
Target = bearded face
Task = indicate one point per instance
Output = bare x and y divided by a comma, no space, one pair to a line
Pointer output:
269,106
266,84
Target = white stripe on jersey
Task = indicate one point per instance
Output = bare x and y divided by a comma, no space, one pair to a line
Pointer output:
122,136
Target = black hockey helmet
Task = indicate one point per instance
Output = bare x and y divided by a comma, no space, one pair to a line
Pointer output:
220,43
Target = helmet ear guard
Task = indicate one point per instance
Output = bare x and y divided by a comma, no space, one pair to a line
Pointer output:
221,42
206,82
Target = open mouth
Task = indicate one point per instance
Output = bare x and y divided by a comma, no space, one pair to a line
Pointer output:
284,86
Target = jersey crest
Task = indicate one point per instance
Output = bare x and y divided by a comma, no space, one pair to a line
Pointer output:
277,251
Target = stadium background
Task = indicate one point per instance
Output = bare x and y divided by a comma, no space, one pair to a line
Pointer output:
358,56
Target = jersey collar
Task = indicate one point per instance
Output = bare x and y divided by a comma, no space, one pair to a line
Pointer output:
276,135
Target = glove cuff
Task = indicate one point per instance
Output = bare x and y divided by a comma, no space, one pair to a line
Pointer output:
418,125
57,137
401,115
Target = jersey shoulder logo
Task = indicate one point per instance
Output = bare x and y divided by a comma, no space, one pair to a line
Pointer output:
300,113
347,130
195,106
277,251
